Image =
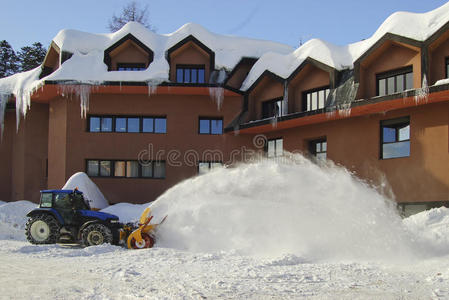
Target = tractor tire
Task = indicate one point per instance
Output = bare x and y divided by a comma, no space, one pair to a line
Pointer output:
96,234
148,242
42,229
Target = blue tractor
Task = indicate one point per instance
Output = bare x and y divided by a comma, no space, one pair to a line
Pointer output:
65,215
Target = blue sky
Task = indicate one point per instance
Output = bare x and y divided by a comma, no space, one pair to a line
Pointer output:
26,21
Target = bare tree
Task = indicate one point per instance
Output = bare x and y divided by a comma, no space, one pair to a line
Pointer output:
130,12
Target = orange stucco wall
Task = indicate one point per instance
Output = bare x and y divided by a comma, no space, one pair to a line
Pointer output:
389,56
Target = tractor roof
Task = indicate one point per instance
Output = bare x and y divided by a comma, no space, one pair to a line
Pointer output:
62,191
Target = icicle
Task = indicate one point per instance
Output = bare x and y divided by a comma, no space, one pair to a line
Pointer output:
285,100
153,85
3,101
421,94
344,110
217,94
81,91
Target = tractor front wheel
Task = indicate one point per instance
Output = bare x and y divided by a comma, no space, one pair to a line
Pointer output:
96,234
147,242
42,229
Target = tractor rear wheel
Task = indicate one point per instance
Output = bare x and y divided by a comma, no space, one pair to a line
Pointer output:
147,242
96,234
42,229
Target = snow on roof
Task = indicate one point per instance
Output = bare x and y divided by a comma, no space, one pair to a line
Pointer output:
416,26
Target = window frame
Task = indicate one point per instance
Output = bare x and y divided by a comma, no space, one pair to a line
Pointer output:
210,119
126,117
139,66
126,161
312,146
266,109
312,91
209,165
446,67
266,150
190,67
393,74
397,122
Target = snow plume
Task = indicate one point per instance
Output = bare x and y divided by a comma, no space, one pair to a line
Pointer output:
284,206
81,91
3,101
217,94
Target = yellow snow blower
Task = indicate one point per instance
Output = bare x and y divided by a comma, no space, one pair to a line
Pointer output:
143,236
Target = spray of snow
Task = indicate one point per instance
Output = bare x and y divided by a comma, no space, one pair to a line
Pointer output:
91,191
422,94
217,94
282,206
81,91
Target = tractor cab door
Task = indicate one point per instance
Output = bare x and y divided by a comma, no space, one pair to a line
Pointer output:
64,205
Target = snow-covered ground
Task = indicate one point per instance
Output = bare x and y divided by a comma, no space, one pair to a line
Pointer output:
234,234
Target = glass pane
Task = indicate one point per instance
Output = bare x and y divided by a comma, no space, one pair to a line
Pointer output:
46,200
314,100
105,168
321,156
271,148
409,81
147,170
194,75
393,150
147,125
160,125
179,77
324,146
279,147
133,125
216,165
216,126
390,85
94,125
159,170
119,169
120,124
201,76
62,200
400,83
92,167
382,87
186,75
205,126
404,133
132,169
389,135
203,168
321,96
106,124
447,70
309,102
317,147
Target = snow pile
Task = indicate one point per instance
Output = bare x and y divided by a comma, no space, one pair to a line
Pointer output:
431,230
13,219
126,212
282,207
81,181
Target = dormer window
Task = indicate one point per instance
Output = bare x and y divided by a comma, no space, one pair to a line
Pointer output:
315,99
273,108
190,74
395,81
130,66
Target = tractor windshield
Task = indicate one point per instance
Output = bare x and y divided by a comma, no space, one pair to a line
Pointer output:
46,199
62,200
78,201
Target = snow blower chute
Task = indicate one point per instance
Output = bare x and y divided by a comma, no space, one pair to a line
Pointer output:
143,236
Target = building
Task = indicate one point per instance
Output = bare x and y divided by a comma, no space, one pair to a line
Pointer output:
156,110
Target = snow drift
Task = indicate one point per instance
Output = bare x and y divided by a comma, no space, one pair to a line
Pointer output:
277,207
91,191
13,219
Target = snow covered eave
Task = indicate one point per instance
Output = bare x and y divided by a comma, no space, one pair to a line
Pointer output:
437,94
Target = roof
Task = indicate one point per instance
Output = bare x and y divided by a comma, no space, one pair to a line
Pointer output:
62,191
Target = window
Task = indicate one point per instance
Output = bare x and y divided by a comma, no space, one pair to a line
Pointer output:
210,126
190,74
315,99
274,147
127,124
207,166
318,148
125,169
395,138
273,108
130,66
394,81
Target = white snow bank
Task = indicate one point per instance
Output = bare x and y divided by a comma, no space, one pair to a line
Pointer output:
126,212
416,26
431,229
13,219
81,181
442,81
287,207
